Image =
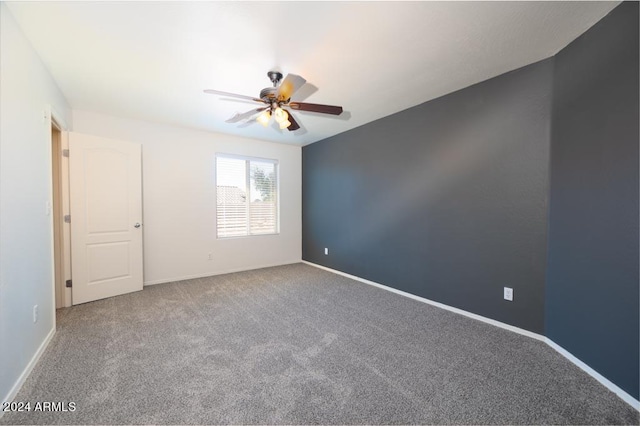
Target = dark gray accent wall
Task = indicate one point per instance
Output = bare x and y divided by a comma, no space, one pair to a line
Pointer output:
592,293
446,200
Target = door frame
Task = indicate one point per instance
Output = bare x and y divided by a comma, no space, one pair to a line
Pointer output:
54,120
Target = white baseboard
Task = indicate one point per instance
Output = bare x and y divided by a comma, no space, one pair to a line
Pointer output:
437,304
27,370
604,381
212,274
593,373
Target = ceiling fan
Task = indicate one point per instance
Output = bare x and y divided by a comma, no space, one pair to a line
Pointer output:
277,98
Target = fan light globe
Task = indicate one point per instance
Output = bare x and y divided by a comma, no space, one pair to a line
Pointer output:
284,124
280,115
264,118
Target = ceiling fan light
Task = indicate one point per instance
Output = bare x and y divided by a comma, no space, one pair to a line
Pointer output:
264,118
284,124
280,115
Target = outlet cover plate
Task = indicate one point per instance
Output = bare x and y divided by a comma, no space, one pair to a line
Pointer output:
508,294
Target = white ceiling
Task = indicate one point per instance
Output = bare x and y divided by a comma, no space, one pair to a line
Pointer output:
151,60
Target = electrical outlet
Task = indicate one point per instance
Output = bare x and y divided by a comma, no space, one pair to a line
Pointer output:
210,256
35,314
508,294
326,251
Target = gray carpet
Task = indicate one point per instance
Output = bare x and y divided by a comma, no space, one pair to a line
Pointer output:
298,345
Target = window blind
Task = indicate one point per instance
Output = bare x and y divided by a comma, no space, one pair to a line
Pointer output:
247,196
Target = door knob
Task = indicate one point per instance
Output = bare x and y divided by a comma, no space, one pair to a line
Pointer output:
137,225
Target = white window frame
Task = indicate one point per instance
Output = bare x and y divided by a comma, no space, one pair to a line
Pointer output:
248,160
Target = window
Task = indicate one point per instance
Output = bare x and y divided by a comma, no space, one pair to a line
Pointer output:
247,196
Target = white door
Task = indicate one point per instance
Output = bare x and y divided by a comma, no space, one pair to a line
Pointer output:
105,179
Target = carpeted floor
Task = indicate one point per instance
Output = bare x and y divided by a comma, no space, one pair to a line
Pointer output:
298,345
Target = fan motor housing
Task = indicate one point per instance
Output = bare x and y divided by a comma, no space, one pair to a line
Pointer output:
268,93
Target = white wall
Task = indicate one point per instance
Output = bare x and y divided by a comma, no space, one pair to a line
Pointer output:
179,201
26,272
179,198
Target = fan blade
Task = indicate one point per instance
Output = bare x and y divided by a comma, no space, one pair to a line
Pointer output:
233,95
237,117
325,109
294,124
288,87
248,123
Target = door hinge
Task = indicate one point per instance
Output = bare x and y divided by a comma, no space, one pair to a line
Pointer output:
65,153
68,283
67,218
